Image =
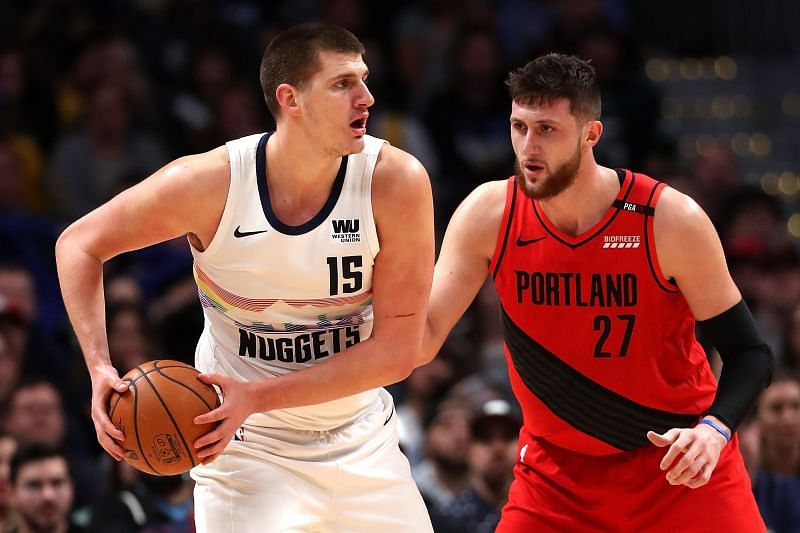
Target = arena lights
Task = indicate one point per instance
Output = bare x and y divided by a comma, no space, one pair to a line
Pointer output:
793,225
786,183
691,69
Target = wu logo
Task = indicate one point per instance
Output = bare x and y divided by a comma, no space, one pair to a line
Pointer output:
346,230
349,225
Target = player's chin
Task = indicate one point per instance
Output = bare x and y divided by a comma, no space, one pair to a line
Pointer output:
353,145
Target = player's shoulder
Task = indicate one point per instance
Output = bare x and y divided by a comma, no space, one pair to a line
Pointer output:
486,202
477,220
682,230
488,192
207,166
678,211
399,177
396,164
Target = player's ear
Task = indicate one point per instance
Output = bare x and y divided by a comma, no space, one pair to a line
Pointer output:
286,95
592,132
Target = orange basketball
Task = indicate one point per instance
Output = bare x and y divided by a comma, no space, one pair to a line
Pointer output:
156,416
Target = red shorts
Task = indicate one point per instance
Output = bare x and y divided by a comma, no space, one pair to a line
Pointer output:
562,491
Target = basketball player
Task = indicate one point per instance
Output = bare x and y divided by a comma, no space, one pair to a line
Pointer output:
313,251
601,275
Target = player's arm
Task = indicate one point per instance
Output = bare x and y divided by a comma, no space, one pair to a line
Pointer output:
689,251
185,197
463,263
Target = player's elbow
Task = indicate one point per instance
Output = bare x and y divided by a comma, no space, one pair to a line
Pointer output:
404,365
64,244
401,359
430,345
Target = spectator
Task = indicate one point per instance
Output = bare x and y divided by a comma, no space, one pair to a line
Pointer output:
777,481
420,392
90,165
43,490
492,453
129,340
153,504
28,342
444,473
36,416
10,355
469,120
7,515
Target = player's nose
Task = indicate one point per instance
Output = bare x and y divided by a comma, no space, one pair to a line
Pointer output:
364,98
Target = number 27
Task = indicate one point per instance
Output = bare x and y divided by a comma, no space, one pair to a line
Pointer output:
602,323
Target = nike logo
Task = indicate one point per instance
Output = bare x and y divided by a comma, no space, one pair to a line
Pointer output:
389,417
520,242
239,234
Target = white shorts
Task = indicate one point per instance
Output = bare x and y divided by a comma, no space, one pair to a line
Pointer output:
350,479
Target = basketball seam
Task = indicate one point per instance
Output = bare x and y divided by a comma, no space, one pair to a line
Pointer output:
143,373
172,419
136,426
187,387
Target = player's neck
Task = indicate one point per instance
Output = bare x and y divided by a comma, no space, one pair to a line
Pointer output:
585,202
298,167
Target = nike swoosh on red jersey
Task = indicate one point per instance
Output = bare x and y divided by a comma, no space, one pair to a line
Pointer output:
521,243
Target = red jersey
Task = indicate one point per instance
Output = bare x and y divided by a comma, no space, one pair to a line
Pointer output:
600,345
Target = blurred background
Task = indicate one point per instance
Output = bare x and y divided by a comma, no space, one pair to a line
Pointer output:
95,95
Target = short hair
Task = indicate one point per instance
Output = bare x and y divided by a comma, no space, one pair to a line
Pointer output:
293,56
554,76
31,381
31,453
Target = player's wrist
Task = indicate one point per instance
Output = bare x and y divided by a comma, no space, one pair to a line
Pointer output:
260,395
717,426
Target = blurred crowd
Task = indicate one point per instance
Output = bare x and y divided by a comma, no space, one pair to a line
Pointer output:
95,95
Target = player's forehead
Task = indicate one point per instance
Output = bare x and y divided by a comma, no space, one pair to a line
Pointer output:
541,109
339,64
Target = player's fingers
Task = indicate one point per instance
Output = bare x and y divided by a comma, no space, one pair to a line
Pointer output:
104,425
665,439
114,431
212,416
115,450
211,458
689,457
701,478
209,439
121,386
681,445
688,473
210,452
211,379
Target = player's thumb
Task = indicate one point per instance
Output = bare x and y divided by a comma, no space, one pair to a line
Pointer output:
662,440
209,379
121,386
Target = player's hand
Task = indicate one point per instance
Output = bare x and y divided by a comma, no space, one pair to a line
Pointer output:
237,404
696,449
104,379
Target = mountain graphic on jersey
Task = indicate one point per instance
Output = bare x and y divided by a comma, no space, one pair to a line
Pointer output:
323,324
212,295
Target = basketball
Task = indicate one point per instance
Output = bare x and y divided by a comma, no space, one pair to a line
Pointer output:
156,416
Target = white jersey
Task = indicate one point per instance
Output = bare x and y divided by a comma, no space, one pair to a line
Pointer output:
279,298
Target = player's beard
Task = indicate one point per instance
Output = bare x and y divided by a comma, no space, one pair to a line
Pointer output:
559,179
